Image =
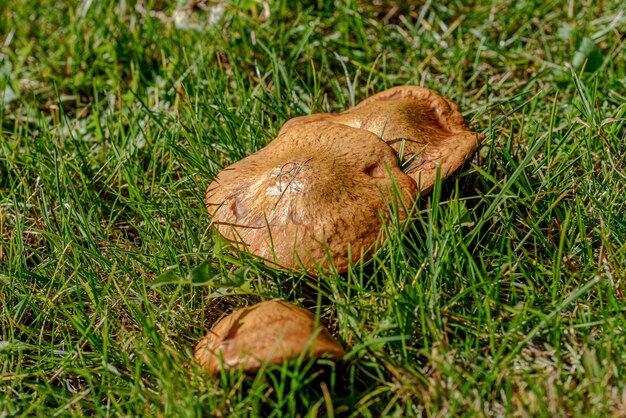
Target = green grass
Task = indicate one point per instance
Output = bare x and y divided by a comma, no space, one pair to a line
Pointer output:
506,296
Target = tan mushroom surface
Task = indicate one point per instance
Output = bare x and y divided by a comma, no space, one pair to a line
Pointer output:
427,127
268,332
318,189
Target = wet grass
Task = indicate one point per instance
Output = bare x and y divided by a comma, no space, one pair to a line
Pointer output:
504,297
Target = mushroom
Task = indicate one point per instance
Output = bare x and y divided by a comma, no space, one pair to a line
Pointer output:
315,193
427,127
268,332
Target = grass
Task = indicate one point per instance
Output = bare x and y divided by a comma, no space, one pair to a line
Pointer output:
505,296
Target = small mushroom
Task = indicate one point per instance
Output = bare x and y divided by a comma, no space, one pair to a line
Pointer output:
427,127
317,190
268,332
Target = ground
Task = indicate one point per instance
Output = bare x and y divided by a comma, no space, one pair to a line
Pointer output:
505,296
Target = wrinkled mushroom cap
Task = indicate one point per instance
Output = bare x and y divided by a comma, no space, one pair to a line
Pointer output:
269,332
422,123
318,188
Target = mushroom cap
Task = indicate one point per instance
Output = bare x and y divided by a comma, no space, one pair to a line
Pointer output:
426,125
268,332
318,189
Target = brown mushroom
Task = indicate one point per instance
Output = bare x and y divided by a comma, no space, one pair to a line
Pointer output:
269,332
317,190
426,126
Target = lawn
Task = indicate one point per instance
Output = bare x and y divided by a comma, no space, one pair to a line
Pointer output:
505,296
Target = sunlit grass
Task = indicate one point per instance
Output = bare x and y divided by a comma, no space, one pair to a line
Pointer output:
505,294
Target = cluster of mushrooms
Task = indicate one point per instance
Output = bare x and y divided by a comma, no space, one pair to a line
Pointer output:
318,197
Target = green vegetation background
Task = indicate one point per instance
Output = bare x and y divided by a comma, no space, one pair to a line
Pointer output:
505,297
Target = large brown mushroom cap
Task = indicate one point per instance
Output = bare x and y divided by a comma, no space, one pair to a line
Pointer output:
426,125
271,332
318,188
